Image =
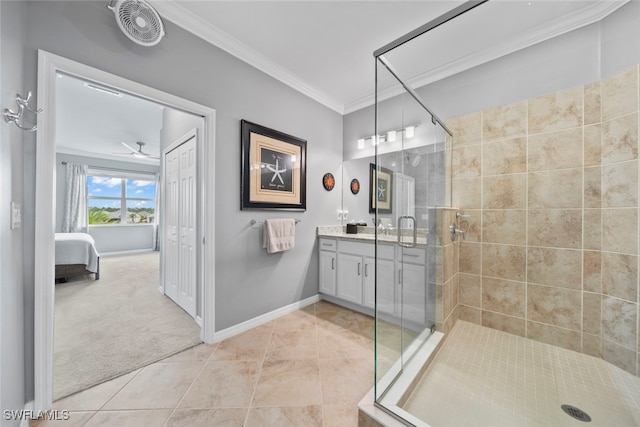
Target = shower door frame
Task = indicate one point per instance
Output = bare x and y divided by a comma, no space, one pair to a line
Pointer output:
421,352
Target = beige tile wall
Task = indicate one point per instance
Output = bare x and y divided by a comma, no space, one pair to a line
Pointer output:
552,249
444,278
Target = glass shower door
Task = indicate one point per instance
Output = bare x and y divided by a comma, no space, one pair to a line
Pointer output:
408,182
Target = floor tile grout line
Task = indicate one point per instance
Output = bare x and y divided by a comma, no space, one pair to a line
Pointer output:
315,331
120,389
171,411
259,374
204,365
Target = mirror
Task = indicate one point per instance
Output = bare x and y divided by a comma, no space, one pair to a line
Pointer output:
418,169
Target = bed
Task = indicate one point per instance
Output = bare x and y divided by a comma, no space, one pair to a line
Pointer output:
76,255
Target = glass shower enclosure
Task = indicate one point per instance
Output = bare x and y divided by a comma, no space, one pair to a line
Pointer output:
410,195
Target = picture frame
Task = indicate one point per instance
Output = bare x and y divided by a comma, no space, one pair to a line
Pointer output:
380,189
273,169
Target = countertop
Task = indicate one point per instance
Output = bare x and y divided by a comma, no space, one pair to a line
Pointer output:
367,234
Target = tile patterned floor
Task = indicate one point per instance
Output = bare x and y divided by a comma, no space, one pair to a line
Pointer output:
485,377
308,368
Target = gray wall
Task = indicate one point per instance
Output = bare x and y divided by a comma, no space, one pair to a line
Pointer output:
12,301
112,238
573,59
249,282
620,39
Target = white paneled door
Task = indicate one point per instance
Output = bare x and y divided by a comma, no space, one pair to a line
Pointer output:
180,274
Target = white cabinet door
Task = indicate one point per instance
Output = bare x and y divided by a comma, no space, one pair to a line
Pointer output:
327,272
350,271
414,295
180,222
171,224
386,285
188,245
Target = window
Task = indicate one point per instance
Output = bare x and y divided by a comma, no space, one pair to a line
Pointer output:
118,199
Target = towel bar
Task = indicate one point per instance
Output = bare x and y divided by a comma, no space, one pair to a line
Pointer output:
254,222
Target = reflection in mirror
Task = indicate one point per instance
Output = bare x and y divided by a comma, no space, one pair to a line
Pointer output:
418,165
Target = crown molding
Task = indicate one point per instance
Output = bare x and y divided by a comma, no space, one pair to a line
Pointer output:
584,17
192,23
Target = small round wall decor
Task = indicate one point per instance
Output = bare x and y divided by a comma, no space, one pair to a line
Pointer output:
355,186
328,181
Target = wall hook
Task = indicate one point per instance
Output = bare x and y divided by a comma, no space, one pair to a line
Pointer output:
15,117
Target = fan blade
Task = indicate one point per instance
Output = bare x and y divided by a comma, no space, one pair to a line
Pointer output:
133,150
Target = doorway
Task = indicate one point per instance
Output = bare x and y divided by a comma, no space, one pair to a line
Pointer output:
49,67
108,327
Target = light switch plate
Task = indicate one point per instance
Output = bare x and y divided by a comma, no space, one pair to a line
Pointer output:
16,216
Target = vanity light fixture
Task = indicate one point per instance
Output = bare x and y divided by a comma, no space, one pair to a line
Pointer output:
409,131
391,135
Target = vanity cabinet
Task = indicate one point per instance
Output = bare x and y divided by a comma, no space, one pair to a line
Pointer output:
350,277
387,288
328,266
354,278
356,263
412,277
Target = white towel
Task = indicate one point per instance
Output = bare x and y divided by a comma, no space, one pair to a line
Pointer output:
279,235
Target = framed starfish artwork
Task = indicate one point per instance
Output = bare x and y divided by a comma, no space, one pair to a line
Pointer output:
273,169
381,188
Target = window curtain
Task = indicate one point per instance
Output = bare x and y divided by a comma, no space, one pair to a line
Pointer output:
156,218
74,217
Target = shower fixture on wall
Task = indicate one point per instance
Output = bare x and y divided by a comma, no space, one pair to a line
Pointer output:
139,21
415,161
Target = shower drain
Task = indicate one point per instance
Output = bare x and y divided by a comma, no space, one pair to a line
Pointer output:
576,413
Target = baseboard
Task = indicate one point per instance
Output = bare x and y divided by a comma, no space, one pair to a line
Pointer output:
264,318
131,252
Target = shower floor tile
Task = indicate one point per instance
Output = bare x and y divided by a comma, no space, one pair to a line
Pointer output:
486,377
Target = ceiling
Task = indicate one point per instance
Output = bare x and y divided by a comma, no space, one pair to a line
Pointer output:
325,48
96,122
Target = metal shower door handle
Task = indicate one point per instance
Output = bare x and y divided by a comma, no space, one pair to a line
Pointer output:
415,232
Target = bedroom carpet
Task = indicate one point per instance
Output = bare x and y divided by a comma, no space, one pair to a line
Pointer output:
112,326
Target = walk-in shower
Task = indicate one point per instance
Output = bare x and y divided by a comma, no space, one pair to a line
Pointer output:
524,116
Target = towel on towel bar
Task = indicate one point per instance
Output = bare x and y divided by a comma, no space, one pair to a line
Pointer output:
279,235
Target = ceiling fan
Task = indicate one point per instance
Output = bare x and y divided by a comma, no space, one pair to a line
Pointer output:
138,153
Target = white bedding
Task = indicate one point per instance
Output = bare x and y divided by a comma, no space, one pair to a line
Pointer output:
77,248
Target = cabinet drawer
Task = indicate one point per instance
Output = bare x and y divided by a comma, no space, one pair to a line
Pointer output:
327,245
412,255
386,252
356,248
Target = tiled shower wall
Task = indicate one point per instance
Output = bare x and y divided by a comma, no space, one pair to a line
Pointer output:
443,253
551,184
